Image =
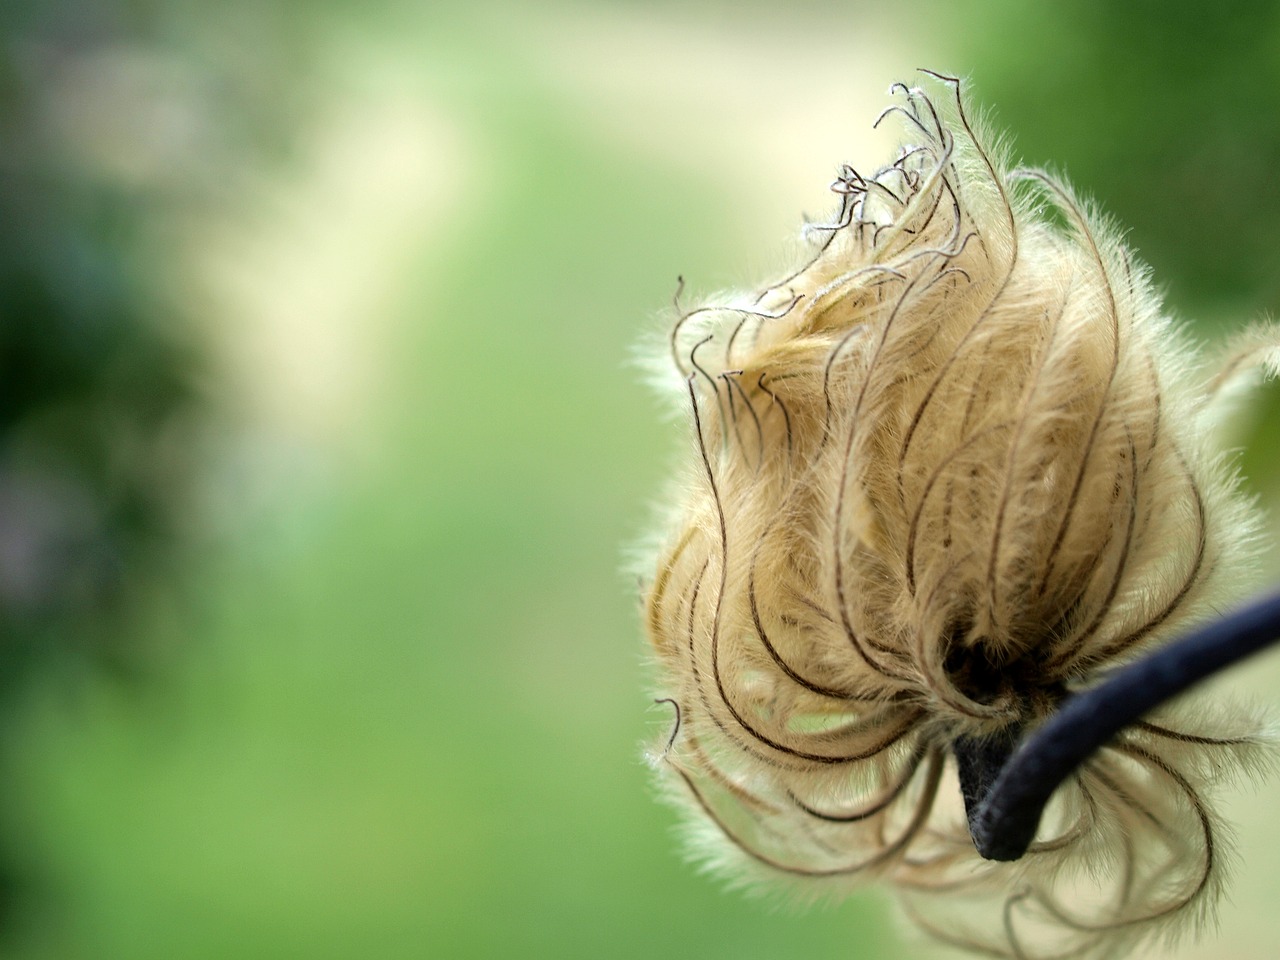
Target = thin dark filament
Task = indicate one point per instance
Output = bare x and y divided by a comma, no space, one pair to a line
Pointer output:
1206,828
877,805
858,331
906,153
715,387
923,808
860,234
1156,409
728,347
907,721
1077,586
1078,830
954,84
1121,564
933,210
860,328
913,529
1004,283
813,605
846,177
658,596
733,414
675,729
881,228
841,599
839,513
1129,801
695,673
745,746
1160,731
1065,200
913,185
814,834
937,183
674,336
875,186
832,230
755,418
680,314
899,87
1127,263
719,603
696,678
710,768
950,271
957,210
948,253
896,168
1193,576
1011,461
900,222
781,664
715,624
693,613
762,317
982,386
917,96
853,199
910,115
923,345
851,437
786,416
855,418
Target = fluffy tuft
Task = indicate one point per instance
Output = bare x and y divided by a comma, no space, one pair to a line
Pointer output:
952,467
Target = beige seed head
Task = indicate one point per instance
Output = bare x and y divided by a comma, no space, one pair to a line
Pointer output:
954,466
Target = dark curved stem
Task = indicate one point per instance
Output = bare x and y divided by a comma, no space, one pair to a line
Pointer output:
1005,810
980,761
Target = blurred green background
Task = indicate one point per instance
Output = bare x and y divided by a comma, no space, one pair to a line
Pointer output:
321,440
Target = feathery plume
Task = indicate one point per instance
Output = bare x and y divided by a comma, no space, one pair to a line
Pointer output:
952,469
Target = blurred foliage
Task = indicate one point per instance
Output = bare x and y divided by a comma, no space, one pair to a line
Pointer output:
1167,113
405,717
116,117
88,387
1169,117
113,121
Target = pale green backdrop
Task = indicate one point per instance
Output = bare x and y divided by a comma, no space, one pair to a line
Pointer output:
387,696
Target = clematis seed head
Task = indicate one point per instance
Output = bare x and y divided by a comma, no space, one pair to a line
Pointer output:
954,467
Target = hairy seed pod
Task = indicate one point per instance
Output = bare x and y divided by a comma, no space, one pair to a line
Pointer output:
954,467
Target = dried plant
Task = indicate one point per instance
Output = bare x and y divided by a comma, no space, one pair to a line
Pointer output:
954,468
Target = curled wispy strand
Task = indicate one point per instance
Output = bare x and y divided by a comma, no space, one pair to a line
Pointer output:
951,468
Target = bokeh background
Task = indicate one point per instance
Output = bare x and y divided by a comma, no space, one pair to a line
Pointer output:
321,440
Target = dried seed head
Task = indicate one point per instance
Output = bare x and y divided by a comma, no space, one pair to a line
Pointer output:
947,471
